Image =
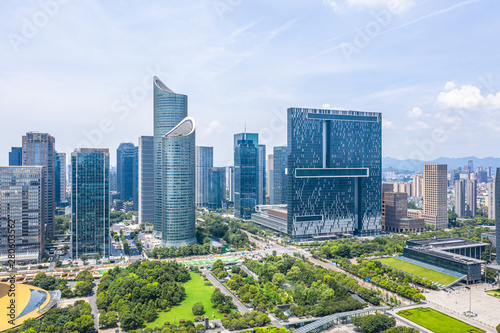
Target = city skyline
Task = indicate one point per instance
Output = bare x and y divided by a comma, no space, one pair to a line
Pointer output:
240,41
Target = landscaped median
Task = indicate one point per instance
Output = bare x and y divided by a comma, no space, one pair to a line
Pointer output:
437,322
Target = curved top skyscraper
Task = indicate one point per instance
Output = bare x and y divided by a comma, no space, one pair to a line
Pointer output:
174,168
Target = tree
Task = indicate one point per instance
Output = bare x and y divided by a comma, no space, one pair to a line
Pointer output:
198,309
401,329
83,288
374,323
97,256
278,279
84,258
498,328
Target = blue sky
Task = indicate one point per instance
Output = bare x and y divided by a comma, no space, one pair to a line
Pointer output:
82,70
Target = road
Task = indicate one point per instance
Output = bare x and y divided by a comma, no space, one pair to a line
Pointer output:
93,304
239,304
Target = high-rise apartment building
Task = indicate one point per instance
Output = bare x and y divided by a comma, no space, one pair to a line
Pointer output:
435,195
471,197
39,150
418,183
146,179
174,168
127,169
216,187
60,178
246,174
280,174
334,172
90,202
16,156
490,187
21,199
204,161
261,200
460,197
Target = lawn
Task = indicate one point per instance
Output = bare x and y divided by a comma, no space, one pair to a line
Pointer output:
420,271
437,322
494,293
196,291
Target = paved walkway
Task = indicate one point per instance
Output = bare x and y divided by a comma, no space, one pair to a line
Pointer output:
241,307
249,272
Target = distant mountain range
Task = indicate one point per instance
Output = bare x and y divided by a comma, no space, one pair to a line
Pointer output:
453,163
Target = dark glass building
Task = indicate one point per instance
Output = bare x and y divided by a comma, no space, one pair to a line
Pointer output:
334,172
216,187
261,195
279,175
16,156
246,174
127,167
146,179
39,150
90,202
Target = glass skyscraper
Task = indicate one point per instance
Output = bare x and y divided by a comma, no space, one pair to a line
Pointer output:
279,175
146,179
90,202
261,196
334,172
174,168
127,172
16,156
204,160
60,178
39,150
216,187
21,198
246,174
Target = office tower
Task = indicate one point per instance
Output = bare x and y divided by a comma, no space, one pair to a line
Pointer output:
60,178
90,202
21,198
269,178
482,176
39,150
496,203
490,188
113,180
68,177
334,172
174,168
280,181
490,174
16,156
204,160
261,196
470,166
471,198
127,172
435,195
146,179
418,182
230,183
460,197
246,174
216,187
395,212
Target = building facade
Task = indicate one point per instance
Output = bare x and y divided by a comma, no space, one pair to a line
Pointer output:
90,202
60,178
230,183
261,198
471,197
435,195
280,174
21,198
270,167
204,161
174,168
39,150
127,169
490,187
146,179
216,187
246,174
460,197
395,213
16,156
334,172
417,186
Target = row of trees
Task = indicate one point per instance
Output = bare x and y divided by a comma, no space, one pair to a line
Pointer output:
83,286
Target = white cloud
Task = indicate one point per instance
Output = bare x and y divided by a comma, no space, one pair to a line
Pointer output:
214,126
387,124
416,112
395,6
332,4
449,85
467,97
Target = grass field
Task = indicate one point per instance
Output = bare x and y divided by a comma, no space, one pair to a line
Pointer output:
196,291
420,271
437,322
494,293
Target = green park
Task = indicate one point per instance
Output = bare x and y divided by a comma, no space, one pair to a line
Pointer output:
437,322
427,273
